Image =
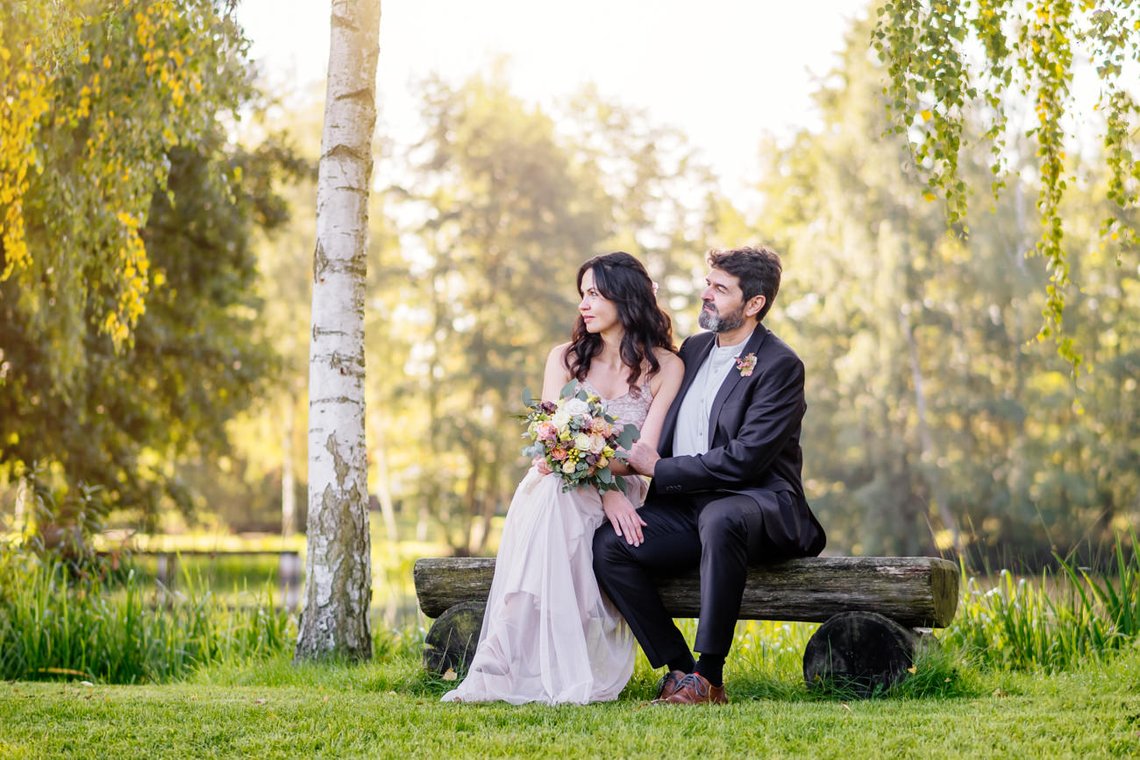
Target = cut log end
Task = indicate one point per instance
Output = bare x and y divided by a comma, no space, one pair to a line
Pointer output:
859,652
451,641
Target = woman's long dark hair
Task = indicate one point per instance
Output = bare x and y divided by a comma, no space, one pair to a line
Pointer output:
623,280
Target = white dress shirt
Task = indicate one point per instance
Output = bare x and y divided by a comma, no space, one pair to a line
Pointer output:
692,433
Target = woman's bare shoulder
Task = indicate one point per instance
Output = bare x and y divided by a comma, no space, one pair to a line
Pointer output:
558,353
668,360
558,360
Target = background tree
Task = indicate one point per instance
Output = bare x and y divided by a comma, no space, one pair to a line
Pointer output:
502,205
502,218
930,412
131,419
338,563
948,59
665,203
95,96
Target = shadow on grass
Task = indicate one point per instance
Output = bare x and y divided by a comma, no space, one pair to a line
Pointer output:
937,675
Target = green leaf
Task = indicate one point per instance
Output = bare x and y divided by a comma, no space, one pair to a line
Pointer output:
627,436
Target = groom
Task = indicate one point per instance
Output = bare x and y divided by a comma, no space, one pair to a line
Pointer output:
726,489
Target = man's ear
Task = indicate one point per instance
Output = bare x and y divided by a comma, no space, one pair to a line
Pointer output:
754,305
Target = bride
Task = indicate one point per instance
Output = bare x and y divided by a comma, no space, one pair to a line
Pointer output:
549,635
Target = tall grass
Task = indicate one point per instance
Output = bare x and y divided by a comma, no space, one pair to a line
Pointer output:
119,628
1055,622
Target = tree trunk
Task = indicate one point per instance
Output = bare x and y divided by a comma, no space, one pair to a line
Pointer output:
388,515
20,519
383,490
929,458
338,566
288,494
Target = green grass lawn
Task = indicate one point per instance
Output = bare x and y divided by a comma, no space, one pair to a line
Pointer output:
390,708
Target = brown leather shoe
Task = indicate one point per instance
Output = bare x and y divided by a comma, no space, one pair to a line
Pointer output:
668,684
695,689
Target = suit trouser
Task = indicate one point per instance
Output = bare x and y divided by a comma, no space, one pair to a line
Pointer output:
721,533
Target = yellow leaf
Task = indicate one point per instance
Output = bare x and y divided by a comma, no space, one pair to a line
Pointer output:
449,675
927,115
106,61
929,197
912,669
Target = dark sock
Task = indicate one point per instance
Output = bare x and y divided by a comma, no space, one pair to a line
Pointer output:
684,664
711,666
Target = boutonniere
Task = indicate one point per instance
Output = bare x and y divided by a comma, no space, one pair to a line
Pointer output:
745,364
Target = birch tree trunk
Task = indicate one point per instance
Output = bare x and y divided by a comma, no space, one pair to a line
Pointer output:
288,481
338,565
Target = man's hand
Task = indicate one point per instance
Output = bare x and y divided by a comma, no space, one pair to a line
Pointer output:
643,458
623,516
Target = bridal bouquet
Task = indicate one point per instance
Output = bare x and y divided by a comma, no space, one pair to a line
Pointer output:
577,437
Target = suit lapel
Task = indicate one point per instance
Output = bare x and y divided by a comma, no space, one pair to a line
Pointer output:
751,346
694,356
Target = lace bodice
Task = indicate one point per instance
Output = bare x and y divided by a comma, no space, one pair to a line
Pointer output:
628,408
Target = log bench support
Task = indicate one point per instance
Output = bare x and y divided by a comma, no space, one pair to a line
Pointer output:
873,610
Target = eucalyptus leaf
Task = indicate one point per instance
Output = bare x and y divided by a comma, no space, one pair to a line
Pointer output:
627,436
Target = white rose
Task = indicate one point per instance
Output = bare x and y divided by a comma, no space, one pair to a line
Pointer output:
561,419
582,442
567,467
576,406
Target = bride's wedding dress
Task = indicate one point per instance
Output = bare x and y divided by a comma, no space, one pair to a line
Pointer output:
549,635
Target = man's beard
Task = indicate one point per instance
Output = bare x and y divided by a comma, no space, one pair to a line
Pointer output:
711,320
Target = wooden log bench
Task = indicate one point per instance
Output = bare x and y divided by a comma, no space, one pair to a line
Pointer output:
875,611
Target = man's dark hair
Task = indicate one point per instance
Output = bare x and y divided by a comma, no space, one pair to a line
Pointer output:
758,270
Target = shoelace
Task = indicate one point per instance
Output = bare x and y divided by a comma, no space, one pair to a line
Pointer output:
668,680
695,681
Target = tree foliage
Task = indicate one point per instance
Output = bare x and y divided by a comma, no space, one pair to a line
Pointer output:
132,417
502,206
92,406
94,97
950,59
932,423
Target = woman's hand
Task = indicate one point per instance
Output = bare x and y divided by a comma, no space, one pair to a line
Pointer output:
541,465
623,516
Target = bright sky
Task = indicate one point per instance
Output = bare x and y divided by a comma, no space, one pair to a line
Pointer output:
726,72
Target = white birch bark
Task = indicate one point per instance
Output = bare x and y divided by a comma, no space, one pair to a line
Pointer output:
288,481
338,565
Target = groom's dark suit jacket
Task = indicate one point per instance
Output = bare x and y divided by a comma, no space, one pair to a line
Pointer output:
754,441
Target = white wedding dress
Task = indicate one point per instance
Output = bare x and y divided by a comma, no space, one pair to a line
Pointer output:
549,635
